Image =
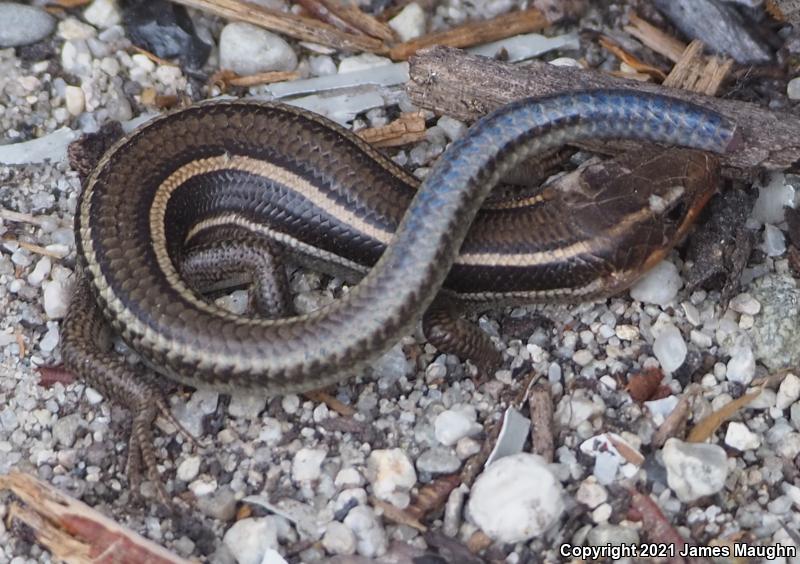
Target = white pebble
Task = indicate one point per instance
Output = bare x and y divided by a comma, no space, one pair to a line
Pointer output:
451,127
390,471
745,303
250,539
349,478
590,493
307,464
247,49
700,339
103,13
788,392
50,339
774,242
694,470
669,348
741,368
188,469
409,23
627,332
362,62
290,403
516,499
370,536
738,436
793,89
772,198
454,424
40,272
659,286
74,99
339,539
583,357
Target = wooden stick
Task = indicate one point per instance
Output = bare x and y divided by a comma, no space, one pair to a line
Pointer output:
464,86
326,12
408,128
659,41
74,532
474,33
304,29
698,73
366,23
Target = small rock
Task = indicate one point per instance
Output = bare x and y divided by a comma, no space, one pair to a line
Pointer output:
452,127
626,332
772,198
65,429
590,493
738,436
250,539
307,464
188,469
390,471
362,62
349,478
453,424
745,303
788,392
694,470
221,505
774,242
741,368
339,539
583,357
793,89
669,348
605,534
370,536
246,406
409,23
23,25
321,65
516,499
466,447
247,49
776,332
103,13
575,408
74,100
49,340
659,286
438,460
40,272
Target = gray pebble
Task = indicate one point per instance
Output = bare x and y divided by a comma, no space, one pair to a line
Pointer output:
23,25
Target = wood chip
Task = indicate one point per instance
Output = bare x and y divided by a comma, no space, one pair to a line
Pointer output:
408,128
263,78
432,497
475,33
20,338
74,532
540,404
657,40
631,60
397,515
698,73
366,23
336,405
626,450
710,423
298,27
328,12
655,525
674,423
642,386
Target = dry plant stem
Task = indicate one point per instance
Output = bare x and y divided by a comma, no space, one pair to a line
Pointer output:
475,33
74,532
657,40
449,81
541,411
698,73
268,77
365,22
408,128
304,29
326,11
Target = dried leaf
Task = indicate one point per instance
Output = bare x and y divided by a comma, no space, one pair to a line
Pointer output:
644,385
709,424
655,524
50,375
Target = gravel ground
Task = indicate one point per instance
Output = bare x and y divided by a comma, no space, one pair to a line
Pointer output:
317,482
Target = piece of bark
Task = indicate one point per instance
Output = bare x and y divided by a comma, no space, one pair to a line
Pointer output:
541,411
657,40
698,73
298,27
719,26
475,33
408,128
74,532
449,81
784,10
